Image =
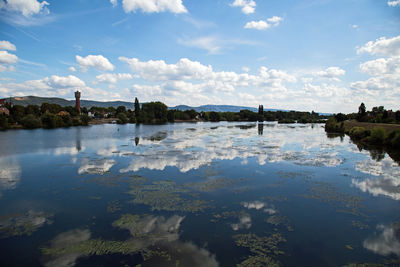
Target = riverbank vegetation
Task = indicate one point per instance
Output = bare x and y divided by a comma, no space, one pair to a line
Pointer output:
54,116
378,129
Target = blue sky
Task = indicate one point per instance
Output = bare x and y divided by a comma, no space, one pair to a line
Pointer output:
322,55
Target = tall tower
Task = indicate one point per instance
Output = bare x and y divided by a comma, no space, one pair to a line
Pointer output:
78,101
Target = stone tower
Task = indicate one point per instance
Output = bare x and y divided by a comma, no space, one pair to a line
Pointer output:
78,101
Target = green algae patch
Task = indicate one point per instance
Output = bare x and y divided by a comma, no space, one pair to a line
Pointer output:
280,220
212,184
23,223
325,192
94,247
113,206
264,249
360,225
167,196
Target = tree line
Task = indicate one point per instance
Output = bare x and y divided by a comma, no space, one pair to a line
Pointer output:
54,116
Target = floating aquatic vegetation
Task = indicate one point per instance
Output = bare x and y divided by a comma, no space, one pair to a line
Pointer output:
293,175
264,249
113,206
165,195
359,225
280,220
23,224
325,192
276,198
212,184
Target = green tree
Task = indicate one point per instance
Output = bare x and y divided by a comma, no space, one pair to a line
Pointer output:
122,118
3,122
214,116
121,109
30,121
361,112
17,112
48,120
32,109
137,107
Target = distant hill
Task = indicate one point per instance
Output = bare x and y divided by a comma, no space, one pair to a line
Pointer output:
219,108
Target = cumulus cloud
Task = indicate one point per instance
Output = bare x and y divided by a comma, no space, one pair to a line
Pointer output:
382,46
248,6
64,81
394,3
72,69
331,73
387,242
113,77
52,86
98,62
7,58
26,7
262,24
114,2
153,6
381,66
6,45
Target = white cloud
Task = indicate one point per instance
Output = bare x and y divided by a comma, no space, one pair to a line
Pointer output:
208,43
114,2
246,69
72,69
113,77
262,24
187,70
66,81
6,45
154,6
94,61
7,58
213,44
248,6
26,7
394,3
382,46
331,73
381,66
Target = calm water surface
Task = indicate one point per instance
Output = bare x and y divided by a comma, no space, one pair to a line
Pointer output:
205,194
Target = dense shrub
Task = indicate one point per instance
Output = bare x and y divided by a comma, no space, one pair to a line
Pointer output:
84,119
3,122
31,122
332,126
49,120
378,135
122,118
395,138
358,132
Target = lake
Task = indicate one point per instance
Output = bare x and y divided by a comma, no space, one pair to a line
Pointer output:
195,194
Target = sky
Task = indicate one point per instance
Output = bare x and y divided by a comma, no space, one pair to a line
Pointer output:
321,55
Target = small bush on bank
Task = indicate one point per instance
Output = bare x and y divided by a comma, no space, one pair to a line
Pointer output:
358,133
378,135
